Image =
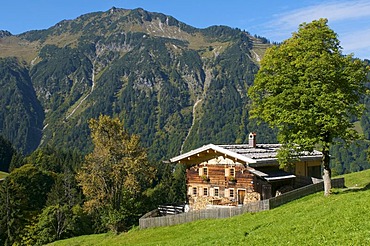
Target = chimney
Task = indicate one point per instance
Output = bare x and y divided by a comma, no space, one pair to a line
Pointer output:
252,140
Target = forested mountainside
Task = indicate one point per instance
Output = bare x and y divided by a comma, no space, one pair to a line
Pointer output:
176,86
21,114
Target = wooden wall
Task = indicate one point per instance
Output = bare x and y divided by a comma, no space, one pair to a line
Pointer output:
228,182
301,168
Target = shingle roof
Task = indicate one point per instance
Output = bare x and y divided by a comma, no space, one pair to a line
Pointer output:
262,151
266,152
261,155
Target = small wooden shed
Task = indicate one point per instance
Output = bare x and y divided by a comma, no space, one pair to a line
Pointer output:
241,173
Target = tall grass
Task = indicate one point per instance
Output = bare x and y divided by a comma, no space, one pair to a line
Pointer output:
340,219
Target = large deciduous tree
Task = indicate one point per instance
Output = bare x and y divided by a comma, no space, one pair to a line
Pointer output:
115,174
310,92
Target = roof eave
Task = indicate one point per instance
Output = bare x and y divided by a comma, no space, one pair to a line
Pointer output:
274,161
215,148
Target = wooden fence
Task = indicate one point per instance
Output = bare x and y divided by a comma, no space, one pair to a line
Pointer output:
150,219
303,191
165,210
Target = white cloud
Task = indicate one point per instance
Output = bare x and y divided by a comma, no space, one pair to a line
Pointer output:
333,11
357,42
350,18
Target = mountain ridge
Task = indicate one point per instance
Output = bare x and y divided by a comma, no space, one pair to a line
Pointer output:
176,86
69,66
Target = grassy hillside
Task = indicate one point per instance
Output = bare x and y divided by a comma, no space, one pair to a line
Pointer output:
357,179
312,220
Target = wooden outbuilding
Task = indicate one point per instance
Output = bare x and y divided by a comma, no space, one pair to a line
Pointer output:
242,173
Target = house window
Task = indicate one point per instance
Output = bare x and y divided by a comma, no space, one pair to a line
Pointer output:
232,172
231,193
216,192
194,191
205,191
205,171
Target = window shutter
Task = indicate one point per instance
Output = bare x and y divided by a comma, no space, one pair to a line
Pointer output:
227,172
227,193
200,191
212,192
190,191
200,171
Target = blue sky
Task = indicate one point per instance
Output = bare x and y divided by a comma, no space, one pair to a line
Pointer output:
275,20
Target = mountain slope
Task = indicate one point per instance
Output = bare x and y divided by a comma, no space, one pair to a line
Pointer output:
21,115
148,68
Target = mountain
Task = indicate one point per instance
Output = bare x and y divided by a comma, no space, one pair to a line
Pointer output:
176,86
4,34
21,114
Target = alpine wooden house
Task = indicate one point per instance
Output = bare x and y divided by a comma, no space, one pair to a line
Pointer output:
238,174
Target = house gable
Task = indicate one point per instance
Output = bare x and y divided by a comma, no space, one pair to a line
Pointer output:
222,160
208,152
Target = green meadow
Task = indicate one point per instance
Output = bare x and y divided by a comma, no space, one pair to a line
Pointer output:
340,219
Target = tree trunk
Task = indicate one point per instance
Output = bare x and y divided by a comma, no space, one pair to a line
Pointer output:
327,172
